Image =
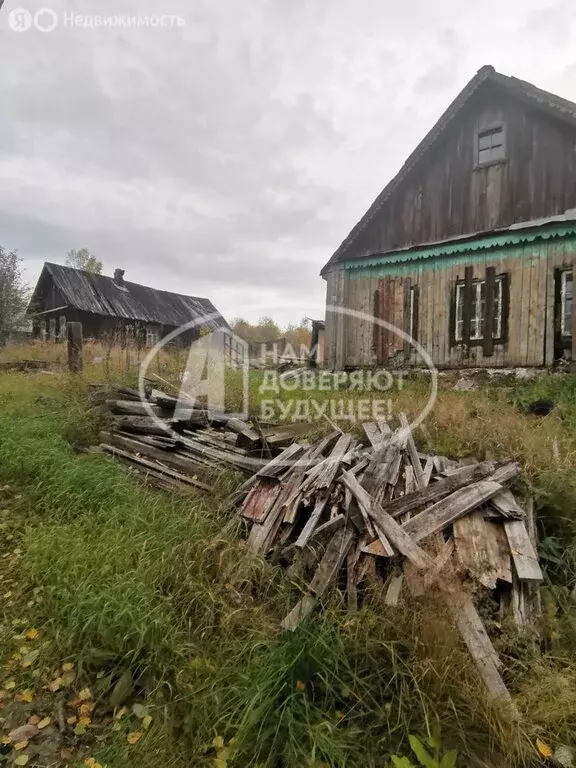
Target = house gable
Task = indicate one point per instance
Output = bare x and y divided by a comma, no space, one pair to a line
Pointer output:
442,192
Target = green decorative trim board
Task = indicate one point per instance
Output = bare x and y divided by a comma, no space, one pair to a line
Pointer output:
509,245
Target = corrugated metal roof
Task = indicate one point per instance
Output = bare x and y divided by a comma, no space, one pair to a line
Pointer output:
100,295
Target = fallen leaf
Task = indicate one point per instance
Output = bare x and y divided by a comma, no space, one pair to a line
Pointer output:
543,748
85,721
67,667
146,722
85,694
55,685
87,708
71,720
32,634
34,720
68,678
5,740
43,723
10,685
300,686
80,729
121,712
134,737
21,745
92,763
21,760
26,696
217,742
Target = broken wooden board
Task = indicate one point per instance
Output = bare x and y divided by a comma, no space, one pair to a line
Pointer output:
301,610
394,590
523,553
480,646
333,559
448,510
260,500
438,490
479,549
505,503
393,532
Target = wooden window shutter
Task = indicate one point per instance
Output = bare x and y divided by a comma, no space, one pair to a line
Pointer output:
467,305
489,288
407,304
505,306
384,314
415,310
375,327
452,316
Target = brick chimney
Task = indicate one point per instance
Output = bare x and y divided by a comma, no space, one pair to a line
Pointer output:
119,277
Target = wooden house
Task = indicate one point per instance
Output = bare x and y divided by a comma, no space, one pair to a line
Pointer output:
114,309
470,248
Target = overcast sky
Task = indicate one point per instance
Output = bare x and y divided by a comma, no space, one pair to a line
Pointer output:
229,157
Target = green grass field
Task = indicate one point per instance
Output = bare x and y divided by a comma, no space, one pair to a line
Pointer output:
151,600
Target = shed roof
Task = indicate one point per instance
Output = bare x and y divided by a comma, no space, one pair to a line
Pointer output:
100,295
520,89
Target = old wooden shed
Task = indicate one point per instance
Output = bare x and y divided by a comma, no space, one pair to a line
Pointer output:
115,309
469,249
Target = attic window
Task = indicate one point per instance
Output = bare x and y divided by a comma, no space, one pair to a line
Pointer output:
491,145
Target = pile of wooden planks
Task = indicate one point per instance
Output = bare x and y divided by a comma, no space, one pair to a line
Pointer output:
340,510
346,510
176,447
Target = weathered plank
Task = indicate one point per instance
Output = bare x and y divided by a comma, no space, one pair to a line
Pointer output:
523,553
314,520
392,597
282,462
412,452
449,509
479,645
333,559
438,490
260,500
301,610
398,537
505,503
186,479
479,549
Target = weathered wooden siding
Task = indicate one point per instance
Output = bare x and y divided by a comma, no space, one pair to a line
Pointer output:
530,267
446,195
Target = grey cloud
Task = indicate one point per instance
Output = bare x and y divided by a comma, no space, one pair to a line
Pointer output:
232,155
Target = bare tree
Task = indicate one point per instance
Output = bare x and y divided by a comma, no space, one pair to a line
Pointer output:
13,293
83,259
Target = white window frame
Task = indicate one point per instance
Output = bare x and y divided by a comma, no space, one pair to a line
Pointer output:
152,337
477,310
564,329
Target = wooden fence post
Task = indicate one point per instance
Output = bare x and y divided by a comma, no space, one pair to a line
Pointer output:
74,331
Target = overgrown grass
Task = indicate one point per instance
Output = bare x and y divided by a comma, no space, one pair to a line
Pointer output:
144,587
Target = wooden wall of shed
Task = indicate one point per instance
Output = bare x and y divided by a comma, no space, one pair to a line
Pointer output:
445,195
530,267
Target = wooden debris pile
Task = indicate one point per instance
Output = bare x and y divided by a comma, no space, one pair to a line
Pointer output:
350,510
175,447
